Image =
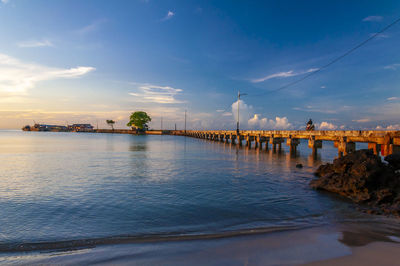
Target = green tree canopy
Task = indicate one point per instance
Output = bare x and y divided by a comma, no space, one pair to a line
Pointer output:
139,119
111,123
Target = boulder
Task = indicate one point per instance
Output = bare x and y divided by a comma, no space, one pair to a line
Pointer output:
299,165
364,178
393,160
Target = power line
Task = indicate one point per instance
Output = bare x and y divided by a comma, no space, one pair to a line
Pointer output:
331,62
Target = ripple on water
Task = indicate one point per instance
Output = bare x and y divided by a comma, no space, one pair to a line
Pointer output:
63,186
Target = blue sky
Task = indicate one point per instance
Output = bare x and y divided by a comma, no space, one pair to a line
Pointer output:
88,61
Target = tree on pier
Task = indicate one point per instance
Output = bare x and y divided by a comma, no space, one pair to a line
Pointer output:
111,123
139,120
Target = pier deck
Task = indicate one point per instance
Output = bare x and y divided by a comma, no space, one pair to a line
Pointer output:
381,142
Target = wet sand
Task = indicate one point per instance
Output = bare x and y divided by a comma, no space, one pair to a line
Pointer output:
314,246
378,253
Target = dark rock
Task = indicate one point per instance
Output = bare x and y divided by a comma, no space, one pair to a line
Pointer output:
364,178
393,160
299,165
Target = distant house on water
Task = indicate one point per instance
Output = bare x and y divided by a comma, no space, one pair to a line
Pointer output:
44,127
80,127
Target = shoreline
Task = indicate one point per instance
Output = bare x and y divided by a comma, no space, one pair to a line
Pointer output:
76,244
313,246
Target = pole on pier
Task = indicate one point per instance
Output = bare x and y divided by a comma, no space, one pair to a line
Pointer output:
161,123
185,121
237,125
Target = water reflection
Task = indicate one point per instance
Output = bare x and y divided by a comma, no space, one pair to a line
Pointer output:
361,234
289,157
134,146
100,185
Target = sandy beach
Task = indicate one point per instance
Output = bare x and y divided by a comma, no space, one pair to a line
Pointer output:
378,253
314,246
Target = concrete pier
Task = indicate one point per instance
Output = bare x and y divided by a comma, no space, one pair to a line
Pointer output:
381,142
276,141
292,143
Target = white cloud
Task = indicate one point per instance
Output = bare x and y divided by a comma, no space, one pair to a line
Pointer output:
326,126
379,36
16,76
227,114
169,15
323,87
248,119
373,18
5,1
392,98
363,120
390,127
286,74
33,43
148,93
220,110
324,110
245,111
256,122
392,66
93,26
280,123
393,127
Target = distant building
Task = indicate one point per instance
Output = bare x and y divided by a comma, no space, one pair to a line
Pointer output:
57,128
26,128
80,127
44,127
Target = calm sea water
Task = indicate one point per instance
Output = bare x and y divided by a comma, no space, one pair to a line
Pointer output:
69,186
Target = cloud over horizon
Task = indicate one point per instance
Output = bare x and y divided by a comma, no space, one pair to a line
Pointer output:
326,126
389,127
282,123
250,120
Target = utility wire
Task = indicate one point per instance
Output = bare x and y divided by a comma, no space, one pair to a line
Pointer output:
331,62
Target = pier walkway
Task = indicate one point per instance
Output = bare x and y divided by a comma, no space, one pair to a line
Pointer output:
381,142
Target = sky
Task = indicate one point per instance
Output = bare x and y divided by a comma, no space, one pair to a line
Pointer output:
71,61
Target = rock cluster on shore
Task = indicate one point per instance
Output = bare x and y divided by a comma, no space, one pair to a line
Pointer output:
364,178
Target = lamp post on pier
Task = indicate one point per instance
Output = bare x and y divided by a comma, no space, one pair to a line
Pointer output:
237,125
185,121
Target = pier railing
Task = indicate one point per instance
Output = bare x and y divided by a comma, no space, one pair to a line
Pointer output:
381,142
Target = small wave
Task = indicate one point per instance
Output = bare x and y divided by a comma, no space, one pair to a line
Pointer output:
93,242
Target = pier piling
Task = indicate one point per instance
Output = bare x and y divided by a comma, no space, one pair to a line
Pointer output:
384,142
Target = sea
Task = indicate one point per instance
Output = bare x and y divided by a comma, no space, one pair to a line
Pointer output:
63,192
